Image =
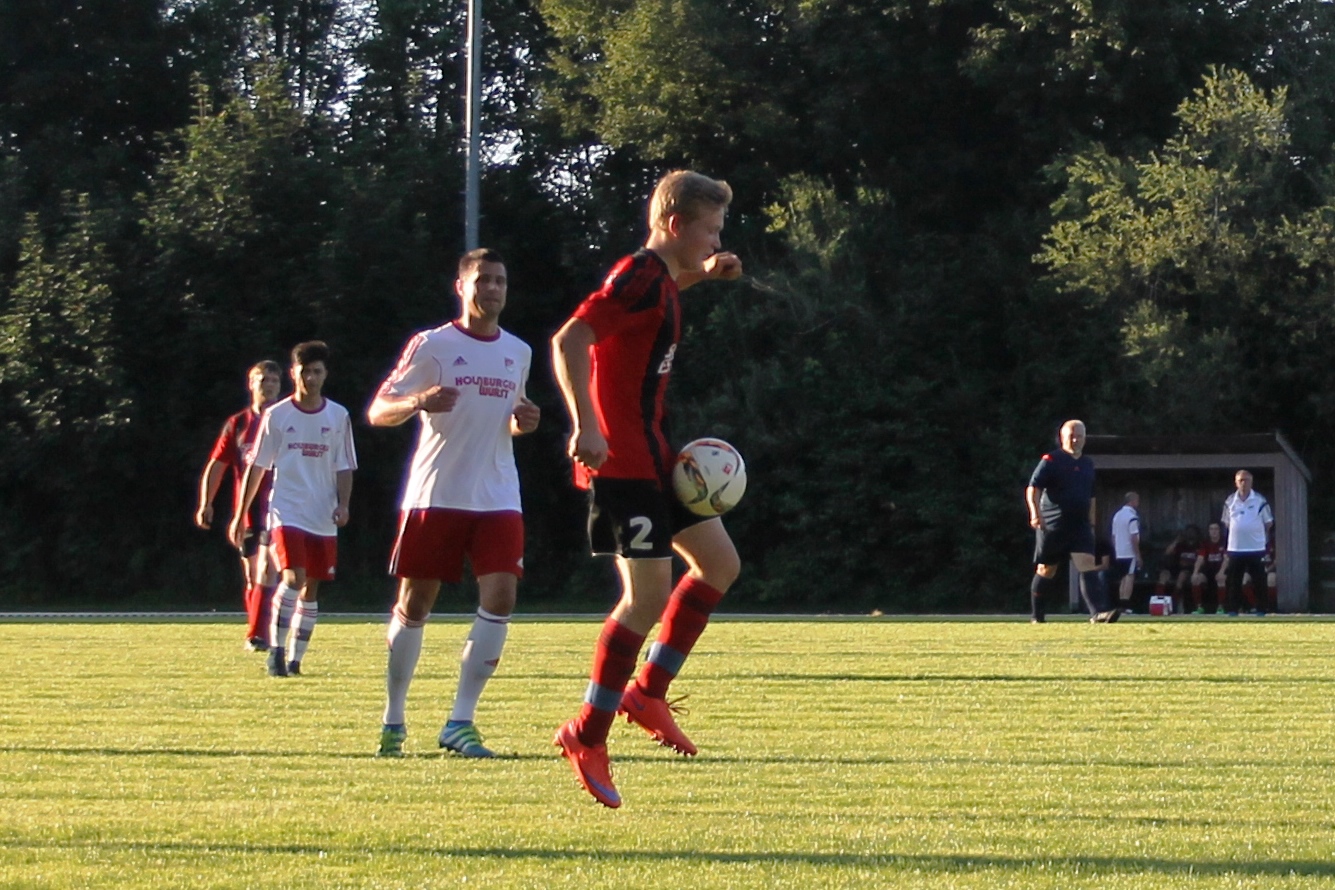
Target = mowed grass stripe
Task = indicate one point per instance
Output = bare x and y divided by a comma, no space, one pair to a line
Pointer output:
833,754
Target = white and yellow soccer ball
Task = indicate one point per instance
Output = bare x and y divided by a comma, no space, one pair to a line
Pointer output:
710,477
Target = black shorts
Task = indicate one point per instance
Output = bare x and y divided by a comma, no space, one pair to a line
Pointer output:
635,518
1121,568
1062,538
255,539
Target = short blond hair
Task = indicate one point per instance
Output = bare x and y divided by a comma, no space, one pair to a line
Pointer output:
687,194
268,366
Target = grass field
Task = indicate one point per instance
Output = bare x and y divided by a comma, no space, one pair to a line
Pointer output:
876,753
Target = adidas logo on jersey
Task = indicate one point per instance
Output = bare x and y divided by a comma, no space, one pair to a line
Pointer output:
459,361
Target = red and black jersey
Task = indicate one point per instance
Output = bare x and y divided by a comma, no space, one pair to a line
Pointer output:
232,449
1186,557
636,317
1214,556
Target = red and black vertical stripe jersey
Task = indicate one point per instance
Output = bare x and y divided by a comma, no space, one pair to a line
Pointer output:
636,317
232,449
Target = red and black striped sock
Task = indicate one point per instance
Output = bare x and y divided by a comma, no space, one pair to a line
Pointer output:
685,618
614,661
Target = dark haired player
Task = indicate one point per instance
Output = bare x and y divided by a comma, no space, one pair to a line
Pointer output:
465,381
1060,497
1208,573
305,441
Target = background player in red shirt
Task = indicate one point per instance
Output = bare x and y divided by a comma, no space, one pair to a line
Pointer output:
612,360
264,381
1179,563
1208,575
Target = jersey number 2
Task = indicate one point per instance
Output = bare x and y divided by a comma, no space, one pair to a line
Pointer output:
643,526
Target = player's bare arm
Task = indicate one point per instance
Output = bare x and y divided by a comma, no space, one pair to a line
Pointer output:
722,266
209,483
1031,496
570,361
344,483
387,410
525,417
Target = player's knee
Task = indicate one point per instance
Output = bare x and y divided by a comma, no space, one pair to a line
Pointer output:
417,598
498,593
721,569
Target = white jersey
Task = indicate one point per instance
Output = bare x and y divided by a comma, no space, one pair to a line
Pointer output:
1125,525
1246,521
305,450
465,456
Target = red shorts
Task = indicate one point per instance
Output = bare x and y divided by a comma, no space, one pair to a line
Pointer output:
432,544
297,549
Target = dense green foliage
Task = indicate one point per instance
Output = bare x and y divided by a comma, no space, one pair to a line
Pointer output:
963,221
1159,754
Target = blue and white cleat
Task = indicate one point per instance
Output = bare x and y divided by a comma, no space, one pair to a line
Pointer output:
462,737
391,741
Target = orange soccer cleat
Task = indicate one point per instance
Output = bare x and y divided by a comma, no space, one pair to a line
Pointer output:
590,765
654,715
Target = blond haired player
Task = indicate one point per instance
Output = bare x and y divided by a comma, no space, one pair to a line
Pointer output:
613,359
305,441
465,382
230,451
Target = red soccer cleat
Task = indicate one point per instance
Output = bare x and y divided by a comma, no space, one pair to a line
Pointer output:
590,765
654,715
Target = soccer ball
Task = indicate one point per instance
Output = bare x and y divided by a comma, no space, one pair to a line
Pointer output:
710,477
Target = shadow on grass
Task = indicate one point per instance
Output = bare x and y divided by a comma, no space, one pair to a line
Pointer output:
652,756
925,862
1028,678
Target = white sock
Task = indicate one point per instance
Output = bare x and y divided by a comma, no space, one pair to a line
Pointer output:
303,625
481,654
405,647
280,615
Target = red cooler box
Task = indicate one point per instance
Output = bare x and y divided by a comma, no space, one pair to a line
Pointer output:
1161,605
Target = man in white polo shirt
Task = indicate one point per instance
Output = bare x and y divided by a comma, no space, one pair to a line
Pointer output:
1249,520
1126,547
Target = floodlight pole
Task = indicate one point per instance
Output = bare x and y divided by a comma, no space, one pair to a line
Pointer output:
473,134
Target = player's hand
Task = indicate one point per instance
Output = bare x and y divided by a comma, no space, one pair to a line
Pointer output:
236,532
1035,522
204,516
437,399
588,447
724,265
527,414
341,516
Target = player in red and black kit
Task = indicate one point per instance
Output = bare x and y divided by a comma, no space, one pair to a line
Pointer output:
612,361
229,452
1208,573
1179,564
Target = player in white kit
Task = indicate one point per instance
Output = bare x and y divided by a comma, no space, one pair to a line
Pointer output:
465,381
305,441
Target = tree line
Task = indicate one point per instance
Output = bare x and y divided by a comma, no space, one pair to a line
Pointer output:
963,221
